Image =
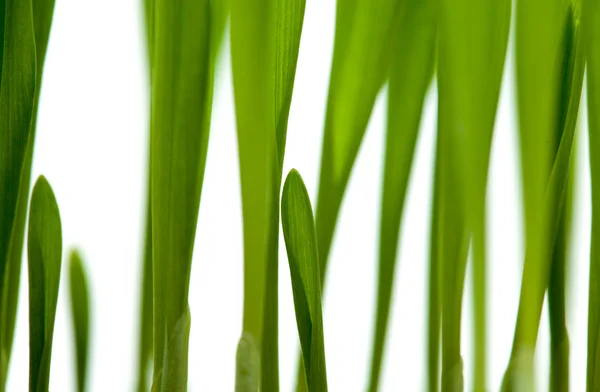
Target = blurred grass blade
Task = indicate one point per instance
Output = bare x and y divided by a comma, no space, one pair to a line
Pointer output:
265,39
410,76
17,94
473,40
80,309
42,19
544,220
182,83
591,28
301,243
44,248
247,365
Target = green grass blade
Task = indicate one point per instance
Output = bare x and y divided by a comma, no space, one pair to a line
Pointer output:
182,83
80,310
410,76
536,272
44,246
42,18
247,365
473,40
17,95
591,28
301,243
145,344
265,39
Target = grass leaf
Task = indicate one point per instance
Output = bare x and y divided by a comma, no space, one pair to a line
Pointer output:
544,220
303,257
44,246
80,309
410,76
247,365
591,37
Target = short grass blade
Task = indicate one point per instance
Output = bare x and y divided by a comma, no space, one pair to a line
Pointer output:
543,221
80,310
591,37
303,257
44,248
410,76
247,365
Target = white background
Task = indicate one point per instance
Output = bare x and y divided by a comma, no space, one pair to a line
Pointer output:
92,146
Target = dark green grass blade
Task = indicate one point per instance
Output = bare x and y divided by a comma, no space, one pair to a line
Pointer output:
473,40
247,365
301,244
546,223
265,39
591,29
42,18
16,108
80,310
44,248
182,83
410,76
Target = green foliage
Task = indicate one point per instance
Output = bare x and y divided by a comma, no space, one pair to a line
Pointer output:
303,257
247,365
80,310
44,248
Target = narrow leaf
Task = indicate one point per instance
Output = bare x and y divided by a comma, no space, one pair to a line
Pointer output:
301,244
44,248
80,309
247,365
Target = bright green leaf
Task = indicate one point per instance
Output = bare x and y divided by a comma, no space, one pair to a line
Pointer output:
303,257
44,248
80,310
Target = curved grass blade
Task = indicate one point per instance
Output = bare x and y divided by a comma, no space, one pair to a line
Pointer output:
473,40
80,309
591,37
545,224
44,248
247,365
183,54
42,19
265,39
410,76
301,243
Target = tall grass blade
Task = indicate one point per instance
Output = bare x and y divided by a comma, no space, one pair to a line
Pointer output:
434,311
247,365
301,244
543,218
473,40
265,39
80,310
591,37
44,248
410,75
183,52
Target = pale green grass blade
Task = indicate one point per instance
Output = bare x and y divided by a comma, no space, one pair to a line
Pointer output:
410,75
182,83
473,40
42,17
17,96
247,365
303,257
265,39
546,224
44,248
80,311
591,28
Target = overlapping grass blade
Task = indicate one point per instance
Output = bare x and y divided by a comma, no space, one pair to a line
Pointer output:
80,310
543,219
44,248
591,29
247,365
303,256
265,39
182,74
410,75
473,40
